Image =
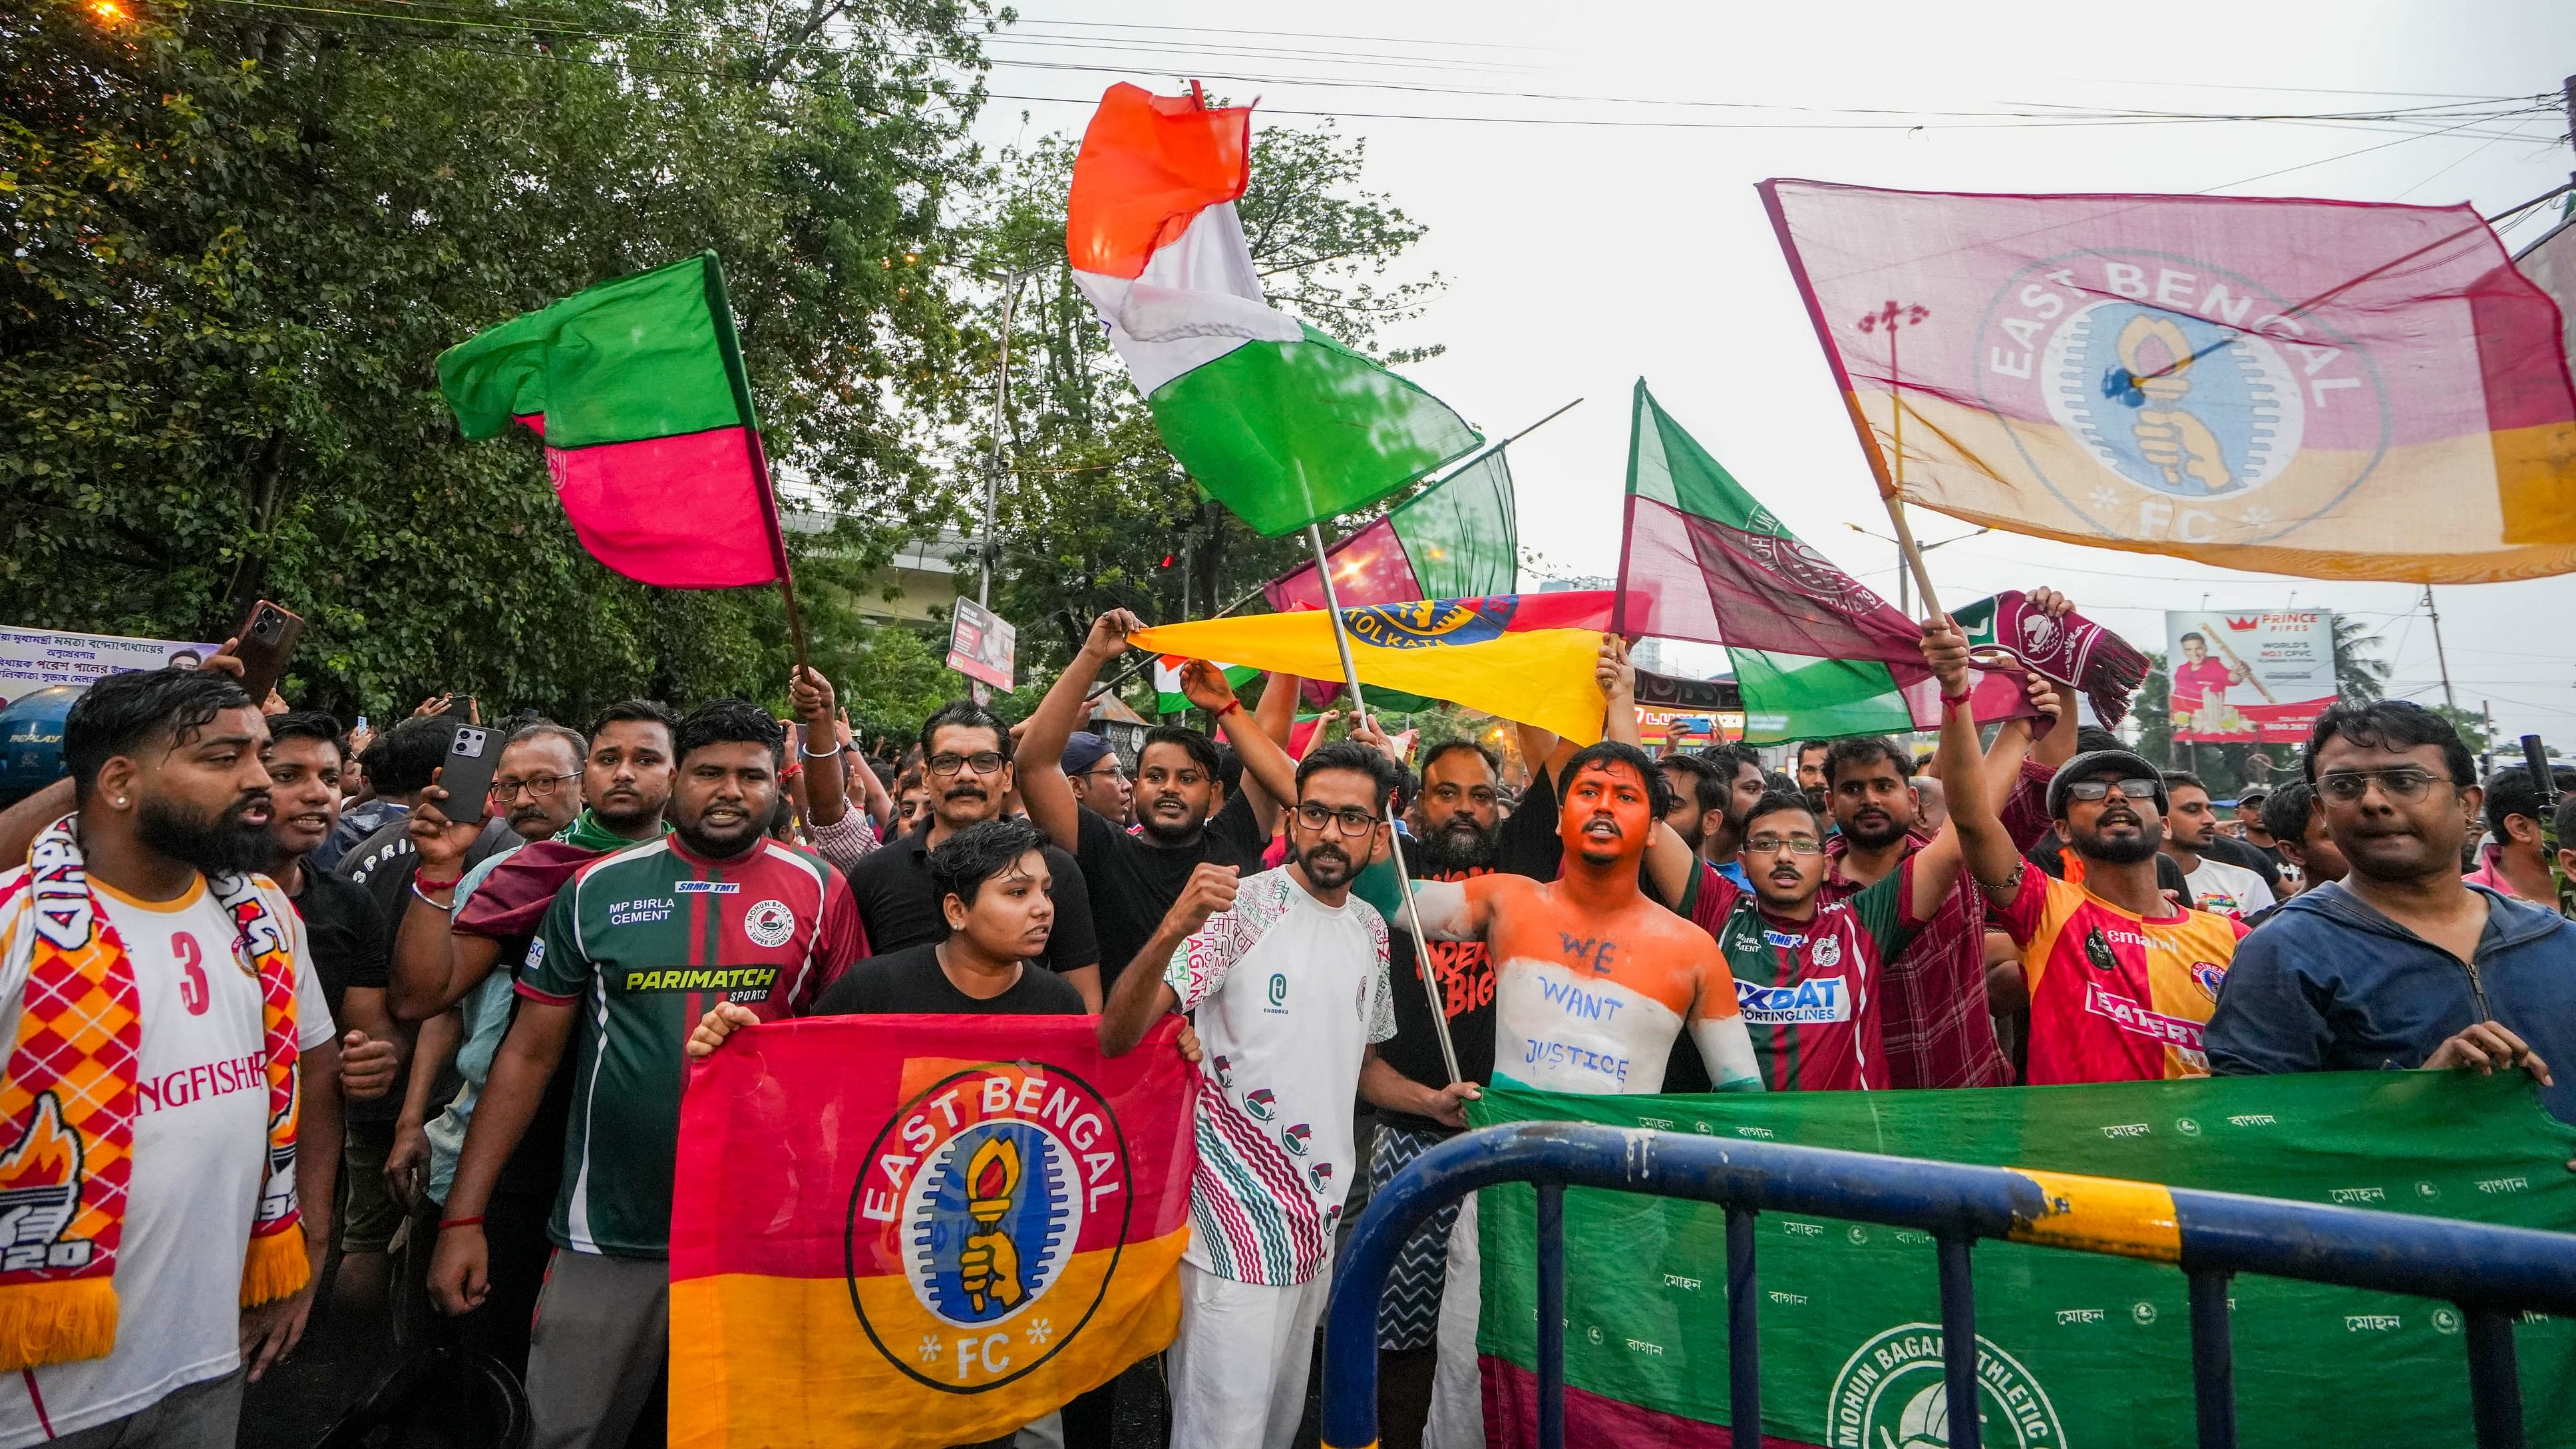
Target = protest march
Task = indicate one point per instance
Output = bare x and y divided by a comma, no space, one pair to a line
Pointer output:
693,752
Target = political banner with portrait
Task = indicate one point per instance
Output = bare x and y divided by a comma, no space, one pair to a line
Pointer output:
34,659
2238,676
914,1231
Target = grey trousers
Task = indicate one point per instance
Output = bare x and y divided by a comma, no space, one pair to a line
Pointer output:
603,1332
204,1415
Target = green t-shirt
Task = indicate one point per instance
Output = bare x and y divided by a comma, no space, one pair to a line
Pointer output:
641,944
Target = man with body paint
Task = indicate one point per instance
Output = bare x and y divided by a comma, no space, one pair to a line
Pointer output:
1592,984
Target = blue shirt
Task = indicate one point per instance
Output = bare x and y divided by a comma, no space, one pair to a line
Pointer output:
486,1010
2328,984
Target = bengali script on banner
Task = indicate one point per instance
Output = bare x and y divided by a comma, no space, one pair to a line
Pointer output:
2074,1349
917,1231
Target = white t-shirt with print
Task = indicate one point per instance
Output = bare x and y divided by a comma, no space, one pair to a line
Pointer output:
1289,994
200,1159
2227,890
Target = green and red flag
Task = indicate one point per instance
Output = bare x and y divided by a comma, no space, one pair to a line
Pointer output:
1458,539
637,387
1274,419
1816,653
2072,1348
1168,698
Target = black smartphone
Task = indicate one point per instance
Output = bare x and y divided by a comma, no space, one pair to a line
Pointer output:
473,753
459,706
267,638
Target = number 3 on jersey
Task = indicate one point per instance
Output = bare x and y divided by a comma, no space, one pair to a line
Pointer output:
192,974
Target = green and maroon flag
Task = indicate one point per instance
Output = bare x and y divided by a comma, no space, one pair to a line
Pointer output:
638,389
1458,539
2073,1349
1815,652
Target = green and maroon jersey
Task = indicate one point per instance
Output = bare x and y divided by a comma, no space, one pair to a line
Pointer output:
641,944
1809,990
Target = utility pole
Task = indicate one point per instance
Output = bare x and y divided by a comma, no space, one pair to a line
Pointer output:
990,546
2487,708
2444,660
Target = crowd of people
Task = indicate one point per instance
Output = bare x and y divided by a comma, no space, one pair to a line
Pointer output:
302,1015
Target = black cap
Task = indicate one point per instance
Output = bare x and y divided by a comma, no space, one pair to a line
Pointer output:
2092,763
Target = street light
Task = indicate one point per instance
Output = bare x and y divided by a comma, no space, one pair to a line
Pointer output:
1904,576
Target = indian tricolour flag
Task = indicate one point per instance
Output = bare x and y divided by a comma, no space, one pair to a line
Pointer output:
1274,419
1168,698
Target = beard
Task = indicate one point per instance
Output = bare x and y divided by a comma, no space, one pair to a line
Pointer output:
1873,833
219,845
1169,832
2128,850
1449,851
1327,866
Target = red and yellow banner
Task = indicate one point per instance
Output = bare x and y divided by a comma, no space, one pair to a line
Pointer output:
921,1230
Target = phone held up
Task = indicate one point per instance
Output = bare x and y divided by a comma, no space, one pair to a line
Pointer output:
473,753
266,638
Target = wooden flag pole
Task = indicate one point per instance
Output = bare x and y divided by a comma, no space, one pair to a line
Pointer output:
1394,836
1894,496
720,308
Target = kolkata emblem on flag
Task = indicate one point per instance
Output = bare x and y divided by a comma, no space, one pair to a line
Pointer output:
1430,623
2178,380
983,1181
1891,1394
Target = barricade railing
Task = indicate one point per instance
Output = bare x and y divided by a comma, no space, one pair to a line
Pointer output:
2491,1273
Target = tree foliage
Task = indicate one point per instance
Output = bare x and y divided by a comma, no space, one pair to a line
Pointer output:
240,235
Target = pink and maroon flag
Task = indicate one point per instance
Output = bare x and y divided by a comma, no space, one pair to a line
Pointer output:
2321,388
637,387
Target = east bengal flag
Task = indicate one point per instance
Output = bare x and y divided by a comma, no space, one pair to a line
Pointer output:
1527,657
909,1231
2320,388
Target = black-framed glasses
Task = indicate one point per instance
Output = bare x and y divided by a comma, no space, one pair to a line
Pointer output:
541,787
2347,786
1351,819
982,762
2101,789
1774,844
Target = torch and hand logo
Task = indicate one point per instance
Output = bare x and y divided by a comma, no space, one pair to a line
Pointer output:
988,1263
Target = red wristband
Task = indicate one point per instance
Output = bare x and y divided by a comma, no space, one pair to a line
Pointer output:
1231,706
1955,700
475,1221
425,883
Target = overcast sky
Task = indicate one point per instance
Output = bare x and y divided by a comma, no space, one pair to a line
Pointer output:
1592,240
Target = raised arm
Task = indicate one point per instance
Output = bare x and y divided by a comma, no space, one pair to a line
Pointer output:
1960,762
827,789
1265,761
1142,995
1040,754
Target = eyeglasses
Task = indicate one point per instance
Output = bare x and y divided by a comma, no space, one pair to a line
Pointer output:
1110,771
982,762
2346,786
1774,844
1352,819
541,787
2098,789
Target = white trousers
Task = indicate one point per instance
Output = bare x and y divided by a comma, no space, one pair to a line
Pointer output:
1240,1363
1457,1392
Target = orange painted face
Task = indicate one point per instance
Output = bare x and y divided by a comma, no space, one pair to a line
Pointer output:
1608,814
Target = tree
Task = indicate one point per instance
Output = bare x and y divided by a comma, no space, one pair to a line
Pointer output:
1095,514
243,233
2361,674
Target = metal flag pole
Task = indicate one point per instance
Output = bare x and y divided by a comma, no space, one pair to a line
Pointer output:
1394,836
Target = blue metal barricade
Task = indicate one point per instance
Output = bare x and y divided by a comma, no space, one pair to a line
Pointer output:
2492,1273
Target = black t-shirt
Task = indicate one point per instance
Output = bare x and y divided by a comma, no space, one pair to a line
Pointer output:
1134,881
1525,844
347,936
900,907
909,983
385,862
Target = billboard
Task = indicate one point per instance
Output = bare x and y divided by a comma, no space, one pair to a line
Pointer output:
2245,675
980,645
34,659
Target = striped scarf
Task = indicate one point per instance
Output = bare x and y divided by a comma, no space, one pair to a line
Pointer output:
68,1104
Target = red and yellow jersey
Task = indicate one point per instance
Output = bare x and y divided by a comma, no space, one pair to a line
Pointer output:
2115,996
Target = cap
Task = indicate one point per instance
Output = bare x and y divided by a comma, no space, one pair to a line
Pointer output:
1082,750
2098,762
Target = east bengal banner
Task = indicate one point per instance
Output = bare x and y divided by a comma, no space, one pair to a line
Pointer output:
2075,1351
2311,387
912,1231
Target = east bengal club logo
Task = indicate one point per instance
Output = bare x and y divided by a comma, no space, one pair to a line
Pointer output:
2186,390
980,1187
1892,1394
1431,623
